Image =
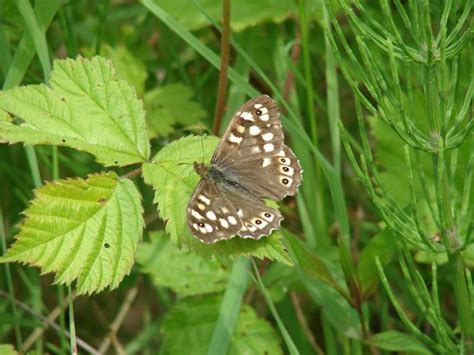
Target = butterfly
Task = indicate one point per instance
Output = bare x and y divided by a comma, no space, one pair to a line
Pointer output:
251,163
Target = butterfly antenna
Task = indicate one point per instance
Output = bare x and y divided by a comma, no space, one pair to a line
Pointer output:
201,128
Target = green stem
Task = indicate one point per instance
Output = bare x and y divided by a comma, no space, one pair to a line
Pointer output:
11,292
72,325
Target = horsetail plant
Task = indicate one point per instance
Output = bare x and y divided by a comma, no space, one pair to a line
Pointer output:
412,75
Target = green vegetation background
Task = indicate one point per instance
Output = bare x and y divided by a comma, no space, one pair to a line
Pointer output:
375,255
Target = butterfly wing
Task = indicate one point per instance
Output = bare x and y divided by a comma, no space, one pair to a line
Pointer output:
258,220
252,149
213,215
254,131
271,177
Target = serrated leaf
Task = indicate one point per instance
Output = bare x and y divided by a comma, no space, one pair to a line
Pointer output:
86,107
186,273
400,342
170,105
190,325
383,246
172,176
83,230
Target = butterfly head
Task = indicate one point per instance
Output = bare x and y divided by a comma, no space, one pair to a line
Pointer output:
201,169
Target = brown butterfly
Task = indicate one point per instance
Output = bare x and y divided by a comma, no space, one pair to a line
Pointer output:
251,163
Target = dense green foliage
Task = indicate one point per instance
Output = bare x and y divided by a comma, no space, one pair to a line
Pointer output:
105,106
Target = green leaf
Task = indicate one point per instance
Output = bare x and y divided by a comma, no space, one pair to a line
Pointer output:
247,13
172,176
311,264
170,105
7,349
400,342
335,309
84,230
184,272
86,107
383,246
230,307
128,67
190,325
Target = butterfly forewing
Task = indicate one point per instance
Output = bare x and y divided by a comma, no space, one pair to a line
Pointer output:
254,132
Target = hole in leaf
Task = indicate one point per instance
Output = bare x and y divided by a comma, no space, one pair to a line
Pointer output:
102,201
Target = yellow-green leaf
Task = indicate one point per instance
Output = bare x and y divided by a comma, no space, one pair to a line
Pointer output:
82,230
86,107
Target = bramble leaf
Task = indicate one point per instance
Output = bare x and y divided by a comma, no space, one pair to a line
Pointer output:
83,230
184,272
191,322
86,107
172,176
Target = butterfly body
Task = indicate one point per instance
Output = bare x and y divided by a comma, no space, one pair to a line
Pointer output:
251,163
225,179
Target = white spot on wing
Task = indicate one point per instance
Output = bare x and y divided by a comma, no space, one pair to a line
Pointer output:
264,117
257,105
223,223
268,147
211,215
240,129
240,212
195,226
267,136
201,206
251,227
232,220
204,199
225,210
247,116
234,139
254,130
256,149
281,153
266,162
196,214
208,227
264,110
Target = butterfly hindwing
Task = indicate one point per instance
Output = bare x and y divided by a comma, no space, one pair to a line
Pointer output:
211,216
